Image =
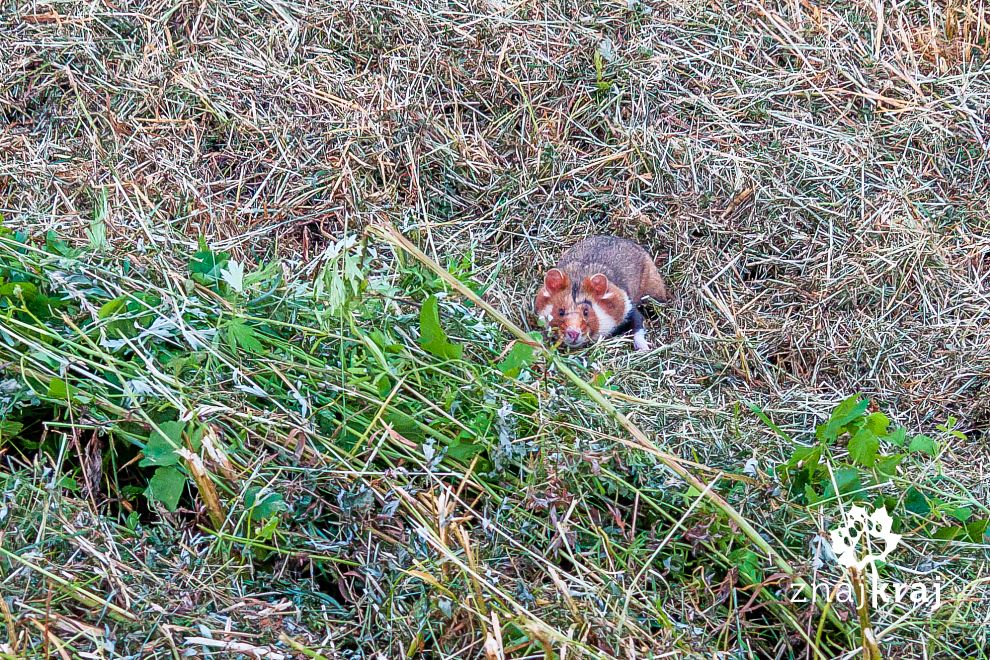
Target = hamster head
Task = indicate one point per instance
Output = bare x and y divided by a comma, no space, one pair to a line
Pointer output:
584,313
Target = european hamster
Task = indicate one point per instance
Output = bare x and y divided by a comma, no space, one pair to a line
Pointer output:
595,289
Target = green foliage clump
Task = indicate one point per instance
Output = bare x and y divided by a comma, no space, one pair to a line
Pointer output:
857,458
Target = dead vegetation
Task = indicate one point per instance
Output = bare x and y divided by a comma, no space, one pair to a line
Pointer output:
813,178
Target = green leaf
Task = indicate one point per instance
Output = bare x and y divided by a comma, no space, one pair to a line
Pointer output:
962,514
161,447
19,291
916,502
691,493
383,384
166,487
887,465
877,423
810,495
846,412
194,433
405,425
803,455
847,480
133,520
600,378
976,529
384,342
863,447
267,531
879,501
9,429
111,307
803,458
97,231
520,357
479,425
55,245
240,334
748,564
950,428
897,436
923,444
59,389
947,533
464,451
206,262
265,506
432,337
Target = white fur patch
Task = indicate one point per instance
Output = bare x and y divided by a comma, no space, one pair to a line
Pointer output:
606,323
628,306
639,340
546,313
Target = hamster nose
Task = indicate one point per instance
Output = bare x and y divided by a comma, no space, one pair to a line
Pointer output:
572,335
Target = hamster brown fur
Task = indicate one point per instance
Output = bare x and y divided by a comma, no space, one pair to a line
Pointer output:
595,289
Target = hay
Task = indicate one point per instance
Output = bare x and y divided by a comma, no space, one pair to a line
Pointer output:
813,179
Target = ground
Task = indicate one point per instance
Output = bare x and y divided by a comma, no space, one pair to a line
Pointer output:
233,415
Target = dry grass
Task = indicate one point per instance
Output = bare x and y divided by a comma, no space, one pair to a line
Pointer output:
814,179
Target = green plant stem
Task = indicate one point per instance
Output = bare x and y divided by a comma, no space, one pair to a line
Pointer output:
871,651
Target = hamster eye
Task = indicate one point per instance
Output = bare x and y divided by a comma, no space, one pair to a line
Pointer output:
561,312
585,312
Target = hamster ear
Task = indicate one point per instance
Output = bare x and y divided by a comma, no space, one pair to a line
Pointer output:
596,285
556,280
542,299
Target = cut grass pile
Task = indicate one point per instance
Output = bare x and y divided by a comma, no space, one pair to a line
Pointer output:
382,483
308,431
241,416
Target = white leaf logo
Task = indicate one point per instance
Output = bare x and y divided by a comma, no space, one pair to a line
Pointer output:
872,529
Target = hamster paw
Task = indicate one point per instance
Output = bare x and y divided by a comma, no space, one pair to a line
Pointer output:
639,341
